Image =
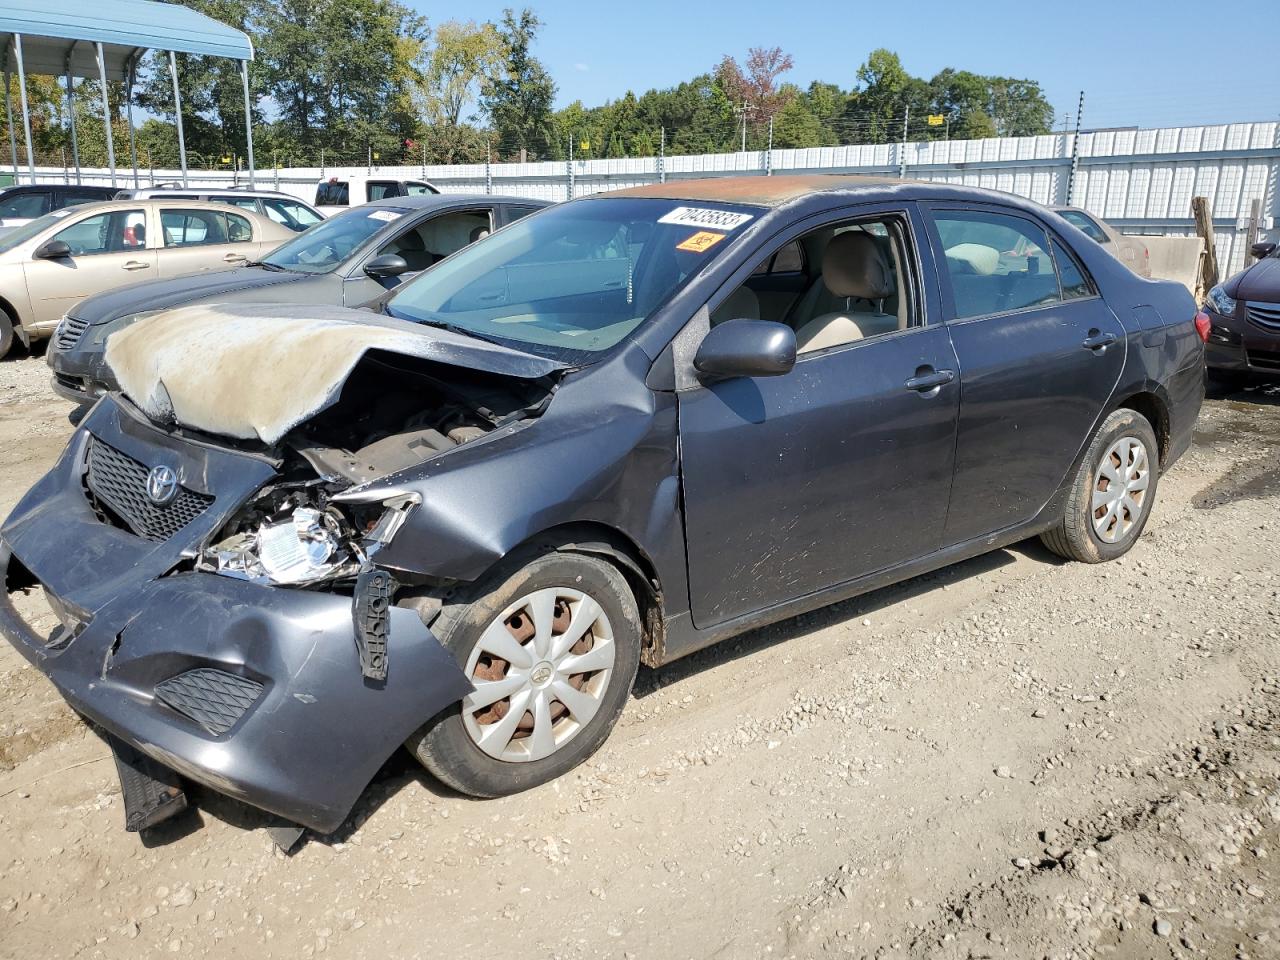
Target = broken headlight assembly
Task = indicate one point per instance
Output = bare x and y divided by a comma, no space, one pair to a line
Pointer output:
295,538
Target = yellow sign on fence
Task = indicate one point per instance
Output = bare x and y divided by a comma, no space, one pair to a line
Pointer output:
936,119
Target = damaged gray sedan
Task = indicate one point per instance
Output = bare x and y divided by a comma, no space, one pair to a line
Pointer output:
610,434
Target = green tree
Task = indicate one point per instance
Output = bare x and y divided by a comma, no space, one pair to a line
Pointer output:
518,98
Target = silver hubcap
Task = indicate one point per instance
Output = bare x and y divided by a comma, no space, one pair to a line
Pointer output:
1120,489
540,670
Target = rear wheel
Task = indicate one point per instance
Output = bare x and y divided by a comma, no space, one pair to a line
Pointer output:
551,647
1112,492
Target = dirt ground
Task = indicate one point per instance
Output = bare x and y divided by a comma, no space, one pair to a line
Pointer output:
1014,757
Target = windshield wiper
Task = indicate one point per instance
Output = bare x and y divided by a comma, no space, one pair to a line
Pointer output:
441,325
274,268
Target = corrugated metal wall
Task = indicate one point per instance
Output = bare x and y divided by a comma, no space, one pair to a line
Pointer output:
1141,181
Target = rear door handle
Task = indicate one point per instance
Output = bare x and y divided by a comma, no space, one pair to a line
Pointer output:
1098,340
136,265
925,382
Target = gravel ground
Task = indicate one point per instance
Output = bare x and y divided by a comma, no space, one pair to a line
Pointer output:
1015,757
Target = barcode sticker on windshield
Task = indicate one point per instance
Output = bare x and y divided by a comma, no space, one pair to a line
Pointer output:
387,215
706,217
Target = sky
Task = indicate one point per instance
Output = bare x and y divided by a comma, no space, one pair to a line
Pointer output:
1139,63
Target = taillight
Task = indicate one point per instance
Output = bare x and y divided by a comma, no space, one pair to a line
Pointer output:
1203,325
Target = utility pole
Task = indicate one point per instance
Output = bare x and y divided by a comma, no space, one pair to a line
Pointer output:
742,111
1075,154
488,169
662,154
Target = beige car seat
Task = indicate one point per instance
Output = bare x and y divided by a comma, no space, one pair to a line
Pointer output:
853,266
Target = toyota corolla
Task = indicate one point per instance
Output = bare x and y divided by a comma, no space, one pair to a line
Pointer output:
611,434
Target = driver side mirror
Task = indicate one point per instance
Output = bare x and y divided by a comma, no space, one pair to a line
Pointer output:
53,250
387,265
1262,249
747,348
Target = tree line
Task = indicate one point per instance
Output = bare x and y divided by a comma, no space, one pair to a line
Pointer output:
351,81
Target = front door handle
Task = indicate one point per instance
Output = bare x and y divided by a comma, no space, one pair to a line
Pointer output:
1097,340
136,265
928,383
235,258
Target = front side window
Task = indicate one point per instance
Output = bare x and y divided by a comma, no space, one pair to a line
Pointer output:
328,244
860,289
25,206
996,262
114,232
191,228
431,241
383,189
577,278
1085,225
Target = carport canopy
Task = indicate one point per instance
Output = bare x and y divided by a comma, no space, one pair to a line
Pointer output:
105,40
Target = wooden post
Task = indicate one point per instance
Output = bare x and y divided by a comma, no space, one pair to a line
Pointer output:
1209,264
1251,234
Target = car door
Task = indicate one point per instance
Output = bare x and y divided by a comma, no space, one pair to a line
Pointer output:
197,240
1040,354
835,470
108,249
422,242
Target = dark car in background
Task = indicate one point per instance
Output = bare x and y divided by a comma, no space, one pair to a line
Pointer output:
347,260
1245,312
27,202
614,432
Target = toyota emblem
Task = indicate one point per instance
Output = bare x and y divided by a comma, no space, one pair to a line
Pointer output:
162,485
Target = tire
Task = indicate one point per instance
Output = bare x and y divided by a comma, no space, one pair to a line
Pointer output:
1093,537
7,335
501,613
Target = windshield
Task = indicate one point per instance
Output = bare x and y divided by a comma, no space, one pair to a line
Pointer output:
575,279
325,246
20,235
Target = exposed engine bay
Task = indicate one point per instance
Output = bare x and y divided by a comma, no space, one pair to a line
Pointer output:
393,413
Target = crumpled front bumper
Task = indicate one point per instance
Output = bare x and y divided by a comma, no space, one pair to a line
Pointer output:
317,730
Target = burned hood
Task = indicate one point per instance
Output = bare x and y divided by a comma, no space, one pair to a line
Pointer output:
256,372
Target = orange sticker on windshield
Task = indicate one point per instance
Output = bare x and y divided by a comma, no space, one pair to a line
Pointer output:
701,241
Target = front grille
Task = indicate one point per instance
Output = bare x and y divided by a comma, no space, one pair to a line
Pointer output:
1266,315
212,698
119,482
69,332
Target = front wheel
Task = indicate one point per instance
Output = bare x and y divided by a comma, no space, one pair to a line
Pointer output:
1112,492
551,647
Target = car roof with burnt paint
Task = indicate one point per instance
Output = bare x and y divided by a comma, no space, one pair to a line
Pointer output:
784,189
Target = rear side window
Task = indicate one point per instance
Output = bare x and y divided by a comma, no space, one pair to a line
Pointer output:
514,213
333,193
996,262
1075,284
239,229
192,228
